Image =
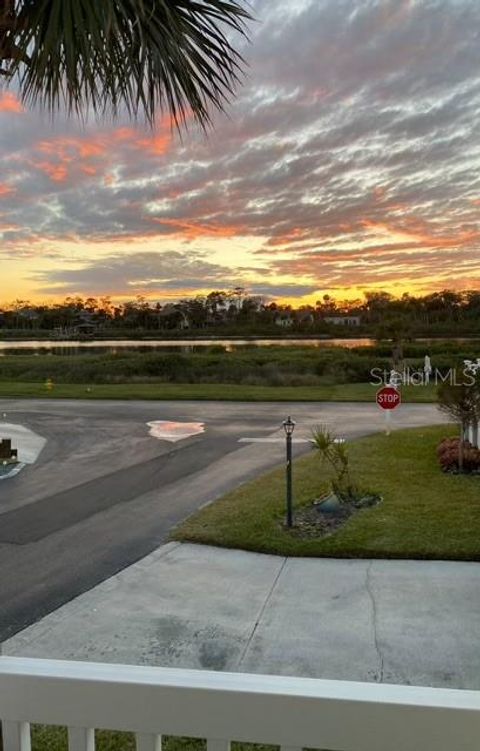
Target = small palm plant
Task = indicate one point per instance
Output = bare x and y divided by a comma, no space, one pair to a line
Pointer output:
333,452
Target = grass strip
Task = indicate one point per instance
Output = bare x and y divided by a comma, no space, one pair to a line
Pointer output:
348,392
425,514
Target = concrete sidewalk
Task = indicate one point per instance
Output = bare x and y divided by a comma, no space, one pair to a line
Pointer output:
408,622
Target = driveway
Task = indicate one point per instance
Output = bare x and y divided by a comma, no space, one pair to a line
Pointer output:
104,492
405,622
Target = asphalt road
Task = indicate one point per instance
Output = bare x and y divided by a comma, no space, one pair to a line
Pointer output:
104,493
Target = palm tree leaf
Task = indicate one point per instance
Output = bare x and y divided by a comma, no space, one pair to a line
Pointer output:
147,56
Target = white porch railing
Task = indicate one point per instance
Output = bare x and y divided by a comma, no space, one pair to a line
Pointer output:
223,707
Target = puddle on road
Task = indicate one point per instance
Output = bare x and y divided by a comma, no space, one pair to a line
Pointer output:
166,430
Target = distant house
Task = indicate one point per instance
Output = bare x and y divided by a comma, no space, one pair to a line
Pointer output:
77,331
284,320
85,330
343,320
171,317
85,325
305,318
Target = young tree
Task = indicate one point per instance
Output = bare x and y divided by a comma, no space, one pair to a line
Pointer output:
150,56
461,402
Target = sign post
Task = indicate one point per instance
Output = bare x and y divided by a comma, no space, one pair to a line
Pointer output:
388,398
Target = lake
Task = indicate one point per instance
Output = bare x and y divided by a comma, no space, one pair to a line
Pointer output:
113,346
71,347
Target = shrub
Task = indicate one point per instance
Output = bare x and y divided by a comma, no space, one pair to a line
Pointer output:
448,456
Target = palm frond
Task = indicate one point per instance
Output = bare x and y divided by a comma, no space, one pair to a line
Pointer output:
150,57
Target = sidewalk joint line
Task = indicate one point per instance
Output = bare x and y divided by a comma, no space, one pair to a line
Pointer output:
262,611
368,587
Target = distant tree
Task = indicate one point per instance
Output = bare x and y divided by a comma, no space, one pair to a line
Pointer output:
461,402
381,314
326,306
377,305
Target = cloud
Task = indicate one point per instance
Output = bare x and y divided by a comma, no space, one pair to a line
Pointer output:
9,102
278,291
137,273
6,190
351,153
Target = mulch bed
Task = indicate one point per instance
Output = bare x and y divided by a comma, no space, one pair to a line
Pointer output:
311,522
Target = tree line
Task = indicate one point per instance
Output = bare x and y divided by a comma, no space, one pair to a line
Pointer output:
378,313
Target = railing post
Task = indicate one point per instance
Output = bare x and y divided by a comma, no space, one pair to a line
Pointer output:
217,745
16,736
81,739
148,742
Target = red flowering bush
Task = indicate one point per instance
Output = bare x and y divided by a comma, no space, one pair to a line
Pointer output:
448,450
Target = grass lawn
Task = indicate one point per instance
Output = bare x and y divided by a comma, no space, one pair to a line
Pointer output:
349,392
424,513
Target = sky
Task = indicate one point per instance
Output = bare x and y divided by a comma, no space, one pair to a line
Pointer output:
348,161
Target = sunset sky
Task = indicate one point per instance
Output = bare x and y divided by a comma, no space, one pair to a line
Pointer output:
349,160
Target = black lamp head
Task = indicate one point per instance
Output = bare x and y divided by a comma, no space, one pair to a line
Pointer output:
288,425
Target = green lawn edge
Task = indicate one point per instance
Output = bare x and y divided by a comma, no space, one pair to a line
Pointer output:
348,392
425,514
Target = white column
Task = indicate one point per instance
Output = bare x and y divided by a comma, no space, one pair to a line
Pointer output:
81,739
217,745
16,736
148,742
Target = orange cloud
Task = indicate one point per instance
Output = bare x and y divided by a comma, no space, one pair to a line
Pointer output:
94,154
418,232
56,172
294,235
6,190
88,170
87,149
192,230
159,141
124,134
71,155
156,144
10,103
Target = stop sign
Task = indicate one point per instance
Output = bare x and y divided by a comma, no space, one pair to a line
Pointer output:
388,397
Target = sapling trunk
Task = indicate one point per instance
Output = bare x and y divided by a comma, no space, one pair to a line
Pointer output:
461,445
475,435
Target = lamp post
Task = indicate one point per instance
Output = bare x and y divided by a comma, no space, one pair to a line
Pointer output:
289,427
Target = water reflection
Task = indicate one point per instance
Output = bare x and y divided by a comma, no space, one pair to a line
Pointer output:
186,346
